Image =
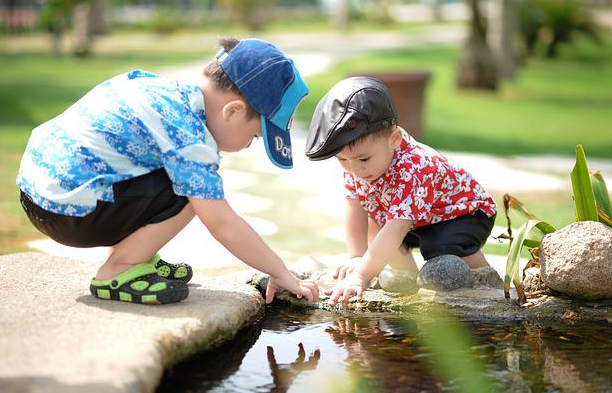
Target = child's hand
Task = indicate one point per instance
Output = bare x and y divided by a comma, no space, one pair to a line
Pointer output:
291,283
344,270
352,285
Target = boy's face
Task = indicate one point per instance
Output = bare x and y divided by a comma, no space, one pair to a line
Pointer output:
232,129
370,158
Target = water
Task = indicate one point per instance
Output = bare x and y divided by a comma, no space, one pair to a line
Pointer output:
321,351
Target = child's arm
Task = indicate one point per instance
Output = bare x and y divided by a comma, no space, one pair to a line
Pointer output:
356,230
382,249
241,240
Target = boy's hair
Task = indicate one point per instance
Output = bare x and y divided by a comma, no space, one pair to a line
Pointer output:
215,72
382,133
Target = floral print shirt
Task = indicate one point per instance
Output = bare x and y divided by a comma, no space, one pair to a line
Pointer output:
421,185
127,126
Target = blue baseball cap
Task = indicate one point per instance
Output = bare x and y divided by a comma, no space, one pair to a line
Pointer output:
272,85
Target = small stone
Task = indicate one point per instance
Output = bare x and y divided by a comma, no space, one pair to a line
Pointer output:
445,273
534,283
394,280
486,277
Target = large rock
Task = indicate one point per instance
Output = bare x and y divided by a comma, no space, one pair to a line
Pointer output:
444,273
56,337
577,260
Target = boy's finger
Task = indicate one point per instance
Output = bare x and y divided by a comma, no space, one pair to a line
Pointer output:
359,294
348,293
337,272
335,296
316,291
270,293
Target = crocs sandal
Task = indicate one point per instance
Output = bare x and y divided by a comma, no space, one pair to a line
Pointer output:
140,284
172,271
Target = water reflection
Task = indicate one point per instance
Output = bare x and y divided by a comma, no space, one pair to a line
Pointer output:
381,352
324,352
284,374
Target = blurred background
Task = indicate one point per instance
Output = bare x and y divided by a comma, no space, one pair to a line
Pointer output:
506,86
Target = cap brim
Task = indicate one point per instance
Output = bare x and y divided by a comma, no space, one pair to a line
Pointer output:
278,144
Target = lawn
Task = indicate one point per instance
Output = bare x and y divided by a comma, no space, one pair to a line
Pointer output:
551,107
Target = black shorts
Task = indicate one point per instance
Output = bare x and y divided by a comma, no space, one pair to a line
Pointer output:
143,200
461,236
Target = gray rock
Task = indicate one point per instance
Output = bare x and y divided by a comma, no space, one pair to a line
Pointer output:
486,277
399,281
56,337
444,273
577,260
534,283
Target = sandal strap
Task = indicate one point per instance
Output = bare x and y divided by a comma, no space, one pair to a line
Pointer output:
142,269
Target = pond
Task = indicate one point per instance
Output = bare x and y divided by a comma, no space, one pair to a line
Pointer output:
323,351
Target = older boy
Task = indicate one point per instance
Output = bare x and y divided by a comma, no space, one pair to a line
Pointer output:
131,162
401,193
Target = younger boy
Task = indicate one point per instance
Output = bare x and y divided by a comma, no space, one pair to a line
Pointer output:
401,193
130,164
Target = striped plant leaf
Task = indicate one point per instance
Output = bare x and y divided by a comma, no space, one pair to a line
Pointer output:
584,199
602,198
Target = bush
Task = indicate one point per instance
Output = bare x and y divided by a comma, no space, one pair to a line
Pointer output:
552,22
166,21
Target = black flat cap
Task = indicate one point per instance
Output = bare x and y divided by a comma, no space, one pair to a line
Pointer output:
354,107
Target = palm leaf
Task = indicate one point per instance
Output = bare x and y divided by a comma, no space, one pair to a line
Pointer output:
584,199
602,198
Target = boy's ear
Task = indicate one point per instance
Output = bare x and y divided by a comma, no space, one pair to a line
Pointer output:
396,136
233,108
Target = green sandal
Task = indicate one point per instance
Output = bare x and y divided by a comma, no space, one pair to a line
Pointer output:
172,271
140,284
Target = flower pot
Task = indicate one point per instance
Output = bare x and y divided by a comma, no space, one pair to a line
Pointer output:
408,91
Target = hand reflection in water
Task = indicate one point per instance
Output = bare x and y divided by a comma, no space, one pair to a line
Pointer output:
284,374
356,338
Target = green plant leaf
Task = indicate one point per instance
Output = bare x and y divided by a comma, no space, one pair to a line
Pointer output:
530,235
602,198
586,210
517,211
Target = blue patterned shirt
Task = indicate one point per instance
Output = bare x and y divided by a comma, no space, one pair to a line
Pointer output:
127,126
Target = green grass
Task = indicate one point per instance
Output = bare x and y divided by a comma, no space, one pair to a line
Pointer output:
552,106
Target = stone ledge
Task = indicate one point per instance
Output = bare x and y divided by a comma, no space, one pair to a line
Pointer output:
482,303
55,336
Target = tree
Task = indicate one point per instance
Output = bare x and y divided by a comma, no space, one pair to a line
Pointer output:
502,36
55,16
477,68
553,22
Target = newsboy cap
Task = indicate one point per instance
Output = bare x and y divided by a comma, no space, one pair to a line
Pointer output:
354,107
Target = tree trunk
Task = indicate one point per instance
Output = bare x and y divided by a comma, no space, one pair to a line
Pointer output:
81,30
98,17
477,69
502,34
339,14
436,9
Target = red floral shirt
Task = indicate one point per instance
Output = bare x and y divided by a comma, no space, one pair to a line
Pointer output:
420,185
